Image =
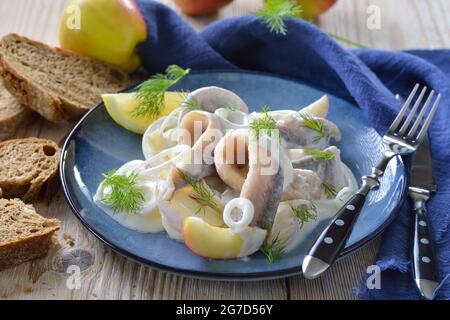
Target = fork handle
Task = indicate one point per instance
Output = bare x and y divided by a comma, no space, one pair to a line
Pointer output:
333,239
424,264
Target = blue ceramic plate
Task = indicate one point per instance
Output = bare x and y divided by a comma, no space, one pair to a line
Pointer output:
98,144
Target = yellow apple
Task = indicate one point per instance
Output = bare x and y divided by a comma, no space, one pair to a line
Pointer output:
311,9
183,204
132,64
201,7
318,108
213,242
106,30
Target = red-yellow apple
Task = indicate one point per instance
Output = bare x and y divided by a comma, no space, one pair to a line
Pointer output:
213,242
183,204
311,9
201,7
107,30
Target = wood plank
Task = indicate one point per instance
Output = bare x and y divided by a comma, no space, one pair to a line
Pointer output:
203,289
337,283
109,275
405,24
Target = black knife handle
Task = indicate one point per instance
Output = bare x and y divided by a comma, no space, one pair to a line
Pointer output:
424,264
332,240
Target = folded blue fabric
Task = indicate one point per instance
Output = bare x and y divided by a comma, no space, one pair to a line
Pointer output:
368,78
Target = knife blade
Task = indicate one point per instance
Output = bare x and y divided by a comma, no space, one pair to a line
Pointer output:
422,169
424,263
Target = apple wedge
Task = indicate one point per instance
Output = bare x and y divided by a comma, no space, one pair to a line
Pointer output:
318,108
182,205
213,242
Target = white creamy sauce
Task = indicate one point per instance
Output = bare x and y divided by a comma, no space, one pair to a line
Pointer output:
326,209
146,218
162,153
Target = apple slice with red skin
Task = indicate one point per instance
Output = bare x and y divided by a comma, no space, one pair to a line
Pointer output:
201,7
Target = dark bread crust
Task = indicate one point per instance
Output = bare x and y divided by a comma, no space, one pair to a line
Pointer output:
52,105
30,183
9,126
15,116
31,95
19,252
24,246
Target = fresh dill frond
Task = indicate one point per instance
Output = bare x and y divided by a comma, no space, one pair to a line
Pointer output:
124,195
265,110
274,249
174,72
189,102
150,95
229,106
329,189
347,41
316,125
265,124
265,224
275,12
321,155
305,213
202,193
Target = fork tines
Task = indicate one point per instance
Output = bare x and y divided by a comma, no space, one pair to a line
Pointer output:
414,134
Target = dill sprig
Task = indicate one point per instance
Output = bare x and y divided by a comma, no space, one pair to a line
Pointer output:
150,95
321,155
329,189
275,12
124,195
305,213
229,106
202,193
316,125
265,124
274,249
347,41
190,103
265,224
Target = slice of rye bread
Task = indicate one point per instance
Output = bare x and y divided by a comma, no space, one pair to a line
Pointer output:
24,234
27,167
13,115
56,83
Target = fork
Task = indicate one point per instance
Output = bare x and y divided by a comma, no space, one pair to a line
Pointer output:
403,138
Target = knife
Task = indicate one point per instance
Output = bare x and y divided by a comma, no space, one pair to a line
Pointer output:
422,187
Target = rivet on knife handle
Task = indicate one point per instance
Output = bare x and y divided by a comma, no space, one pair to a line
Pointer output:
424,264
332,240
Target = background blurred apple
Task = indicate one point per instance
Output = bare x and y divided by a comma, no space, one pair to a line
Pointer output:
312,9
201,7
107,30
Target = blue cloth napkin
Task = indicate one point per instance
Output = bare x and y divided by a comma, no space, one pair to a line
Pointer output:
368,78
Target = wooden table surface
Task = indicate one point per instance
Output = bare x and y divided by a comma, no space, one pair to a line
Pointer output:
107,275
